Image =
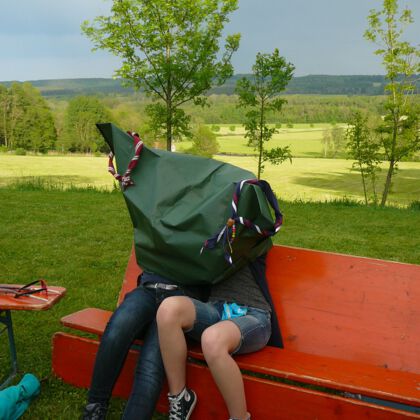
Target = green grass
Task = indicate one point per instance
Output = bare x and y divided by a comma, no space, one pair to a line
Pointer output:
80,239
327,179
304,140
66,170
304,179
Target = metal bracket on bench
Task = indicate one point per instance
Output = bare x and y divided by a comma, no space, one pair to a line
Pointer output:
385,403
6,319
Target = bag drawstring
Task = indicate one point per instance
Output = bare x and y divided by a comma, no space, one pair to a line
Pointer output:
125,179
228,233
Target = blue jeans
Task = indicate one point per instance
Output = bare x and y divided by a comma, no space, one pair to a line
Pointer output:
255,326
134,318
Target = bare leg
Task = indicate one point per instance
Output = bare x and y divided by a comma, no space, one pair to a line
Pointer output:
217,342
175,314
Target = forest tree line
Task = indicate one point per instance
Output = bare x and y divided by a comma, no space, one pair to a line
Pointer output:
31,122
302,85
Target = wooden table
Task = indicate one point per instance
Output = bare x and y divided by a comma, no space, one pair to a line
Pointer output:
39,301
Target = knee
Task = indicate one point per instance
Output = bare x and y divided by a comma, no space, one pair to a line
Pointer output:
171,312
213,345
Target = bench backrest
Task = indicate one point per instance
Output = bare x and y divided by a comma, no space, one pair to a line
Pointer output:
347,307
341,306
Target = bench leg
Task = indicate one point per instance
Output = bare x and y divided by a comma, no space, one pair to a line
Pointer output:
6,319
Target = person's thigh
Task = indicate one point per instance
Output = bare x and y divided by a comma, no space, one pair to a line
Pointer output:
206,314
136,311
128,321
255,330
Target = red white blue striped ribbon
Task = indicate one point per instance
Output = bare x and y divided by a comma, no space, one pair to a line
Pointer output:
125,179
227,234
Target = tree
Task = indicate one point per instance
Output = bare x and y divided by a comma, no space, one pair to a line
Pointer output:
337,137
26,119
326,143
332,141
364,150
35,129
401,63
260,95
204,142
3,115
171,50
80,132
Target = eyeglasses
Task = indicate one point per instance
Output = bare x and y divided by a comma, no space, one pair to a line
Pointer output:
25,290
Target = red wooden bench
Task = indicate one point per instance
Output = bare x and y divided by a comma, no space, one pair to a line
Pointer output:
351,328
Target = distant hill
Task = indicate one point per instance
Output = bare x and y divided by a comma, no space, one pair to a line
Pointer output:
315,84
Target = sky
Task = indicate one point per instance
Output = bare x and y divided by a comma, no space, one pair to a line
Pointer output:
41,39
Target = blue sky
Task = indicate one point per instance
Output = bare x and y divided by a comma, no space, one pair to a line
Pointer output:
41,39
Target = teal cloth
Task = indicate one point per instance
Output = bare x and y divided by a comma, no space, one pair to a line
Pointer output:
15,400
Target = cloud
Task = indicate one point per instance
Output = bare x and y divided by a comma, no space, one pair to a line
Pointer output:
41,39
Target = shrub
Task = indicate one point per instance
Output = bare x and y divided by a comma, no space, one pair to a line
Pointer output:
289,125
3,149
415,205
20,152
215,128
278,125
232,128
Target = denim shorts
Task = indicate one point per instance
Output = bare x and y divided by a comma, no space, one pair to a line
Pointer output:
255,326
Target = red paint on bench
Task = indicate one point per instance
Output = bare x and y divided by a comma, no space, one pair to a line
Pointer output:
347,307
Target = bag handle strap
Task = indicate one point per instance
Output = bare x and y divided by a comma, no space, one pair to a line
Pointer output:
228,232
125,179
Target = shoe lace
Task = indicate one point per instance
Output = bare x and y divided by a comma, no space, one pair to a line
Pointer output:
175,408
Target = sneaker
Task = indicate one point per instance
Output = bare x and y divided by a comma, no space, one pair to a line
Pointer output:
94,411
182,405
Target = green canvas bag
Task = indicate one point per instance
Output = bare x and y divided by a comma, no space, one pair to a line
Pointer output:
181,209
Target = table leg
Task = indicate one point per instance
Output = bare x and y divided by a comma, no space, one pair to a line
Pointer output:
6,319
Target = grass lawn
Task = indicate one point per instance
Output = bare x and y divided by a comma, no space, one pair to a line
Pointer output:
68,170
305,179
326,179
239,128
81,240
304,140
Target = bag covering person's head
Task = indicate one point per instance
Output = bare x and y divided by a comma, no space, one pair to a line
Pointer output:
177,202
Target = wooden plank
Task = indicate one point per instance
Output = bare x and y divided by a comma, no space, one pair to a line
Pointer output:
402,387
346,307
90,320
265,398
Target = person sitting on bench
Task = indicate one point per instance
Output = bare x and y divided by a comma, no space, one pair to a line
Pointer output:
134,318
225,329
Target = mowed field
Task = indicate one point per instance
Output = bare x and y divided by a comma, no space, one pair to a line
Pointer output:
307,179
304,140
